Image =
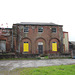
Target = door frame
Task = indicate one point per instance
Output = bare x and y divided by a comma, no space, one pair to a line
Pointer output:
40,44
27,48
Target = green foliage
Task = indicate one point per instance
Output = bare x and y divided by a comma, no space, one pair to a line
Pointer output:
38,58
46,57
50,70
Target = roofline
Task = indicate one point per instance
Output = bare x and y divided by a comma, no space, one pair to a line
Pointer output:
5,28
65,32
38,25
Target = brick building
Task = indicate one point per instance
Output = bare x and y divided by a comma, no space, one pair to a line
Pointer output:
5,39
33,38
38,38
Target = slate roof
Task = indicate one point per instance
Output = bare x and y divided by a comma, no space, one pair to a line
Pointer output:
72,42
37,23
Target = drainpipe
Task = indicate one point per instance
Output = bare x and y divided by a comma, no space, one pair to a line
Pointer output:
12,39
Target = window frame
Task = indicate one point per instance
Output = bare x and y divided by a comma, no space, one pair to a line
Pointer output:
40,30
27,30
53,30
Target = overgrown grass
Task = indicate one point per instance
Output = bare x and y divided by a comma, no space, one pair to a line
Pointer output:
35,58
50,70
18,58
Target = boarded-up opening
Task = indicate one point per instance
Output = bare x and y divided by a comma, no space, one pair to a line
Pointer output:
54,46
3,45
40,47
25,47
65,42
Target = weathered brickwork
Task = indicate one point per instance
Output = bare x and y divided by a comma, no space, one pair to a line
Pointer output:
33,37
5,39
48,40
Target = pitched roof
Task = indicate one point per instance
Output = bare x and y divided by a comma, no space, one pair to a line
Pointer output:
37,23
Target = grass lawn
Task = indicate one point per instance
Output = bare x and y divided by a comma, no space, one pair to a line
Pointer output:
49,70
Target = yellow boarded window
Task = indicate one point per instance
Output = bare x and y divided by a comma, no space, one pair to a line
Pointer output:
25,47
54,46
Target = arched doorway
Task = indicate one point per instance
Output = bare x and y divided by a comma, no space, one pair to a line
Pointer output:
40,46
54,45
26,45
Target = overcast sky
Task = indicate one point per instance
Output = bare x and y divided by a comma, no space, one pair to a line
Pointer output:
61,12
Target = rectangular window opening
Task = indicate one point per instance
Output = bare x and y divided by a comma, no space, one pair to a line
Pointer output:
54,30
40,29
26,29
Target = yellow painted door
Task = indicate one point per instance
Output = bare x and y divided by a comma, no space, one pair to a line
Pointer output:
54,46
25,47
